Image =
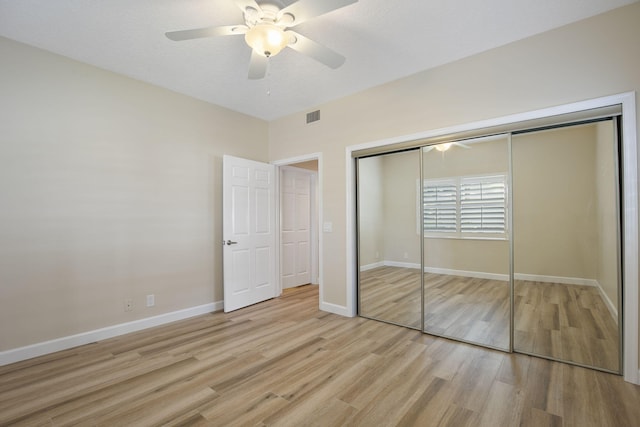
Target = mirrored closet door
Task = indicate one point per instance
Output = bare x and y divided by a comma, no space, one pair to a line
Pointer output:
389,242
510,240
566,247
465,198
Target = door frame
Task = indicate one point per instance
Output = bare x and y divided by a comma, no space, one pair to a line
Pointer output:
316,220
629,207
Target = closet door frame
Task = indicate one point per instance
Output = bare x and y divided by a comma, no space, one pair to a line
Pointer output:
629,207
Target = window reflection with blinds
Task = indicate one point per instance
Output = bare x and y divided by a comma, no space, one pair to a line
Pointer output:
441,206
482,204
469,206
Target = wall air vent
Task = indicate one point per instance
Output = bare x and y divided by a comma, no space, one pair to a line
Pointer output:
313,116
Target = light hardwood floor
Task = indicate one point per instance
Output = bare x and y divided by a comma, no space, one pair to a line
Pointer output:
471,309
566,322
283,362
391,294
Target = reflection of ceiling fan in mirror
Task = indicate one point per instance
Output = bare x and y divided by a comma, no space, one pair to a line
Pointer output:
444,146
266,31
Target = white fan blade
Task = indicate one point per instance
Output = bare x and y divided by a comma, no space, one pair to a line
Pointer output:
257,66
244,4
198,33
303,10
315,50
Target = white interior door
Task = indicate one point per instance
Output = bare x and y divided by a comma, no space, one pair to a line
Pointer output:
249,226
295,226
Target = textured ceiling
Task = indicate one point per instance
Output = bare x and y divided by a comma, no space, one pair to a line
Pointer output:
382,40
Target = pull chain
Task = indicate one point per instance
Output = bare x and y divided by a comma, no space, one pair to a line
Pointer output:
268,77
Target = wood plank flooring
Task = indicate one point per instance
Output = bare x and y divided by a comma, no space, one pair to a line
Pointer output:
566,322
391,294
467,308
285,363
470,309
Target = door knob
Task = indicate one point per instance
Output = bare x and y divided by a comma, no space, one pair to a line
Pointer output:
229,242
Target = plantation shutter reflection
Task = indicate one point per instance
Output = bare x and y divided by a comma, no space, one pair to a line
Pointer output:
482,205
440,200
465,206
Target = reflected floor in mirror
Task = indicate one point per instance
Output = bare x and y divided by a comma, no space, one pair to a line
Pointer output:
391,294
465,308
566,322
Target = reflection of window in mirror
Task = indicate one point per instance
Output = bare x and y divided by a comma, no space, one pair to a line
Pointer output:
464,207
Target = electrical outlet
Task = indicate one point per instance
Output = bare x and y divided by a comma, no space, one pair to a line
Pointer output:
151,300
128,304
406,255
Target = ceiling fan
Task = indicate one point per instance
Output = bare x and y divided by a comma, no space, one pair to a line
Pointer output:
266,31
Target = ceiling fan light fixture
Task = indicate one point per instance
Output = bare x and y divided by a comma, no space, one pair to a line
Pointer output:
266,39
443,147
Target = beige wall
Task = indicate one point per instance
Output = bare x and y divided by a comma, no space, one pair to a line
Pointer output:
588,59
401,171
109,189
563,199
607,227
371,211
399,180
485,156
554,197
387,214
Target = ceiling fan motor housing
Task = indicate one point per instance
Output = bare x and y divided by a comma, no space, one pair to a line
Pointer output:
265,35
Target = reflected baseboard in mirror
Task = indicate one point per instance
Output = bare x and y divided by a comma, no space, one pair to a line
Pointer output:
565,322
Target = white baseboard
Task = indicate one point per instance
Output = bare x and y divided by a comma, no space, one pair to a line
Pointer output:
463,273
372,266
335,309
556,279
401,264
610,306
495,276
58,344
505,277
